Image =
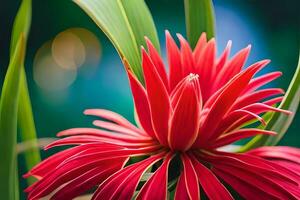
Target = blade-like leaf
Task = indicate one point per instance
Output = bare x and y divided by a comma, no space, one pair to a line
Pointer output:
8,123
280,122
125,23
25,116
199,17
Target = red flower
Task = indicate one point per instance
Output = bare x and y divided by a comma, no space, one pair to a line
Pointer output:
184,117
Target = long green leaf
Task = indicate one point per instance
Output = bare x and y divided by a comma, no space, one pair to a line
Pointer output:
280,122
25,115
199,17
125,23
8,124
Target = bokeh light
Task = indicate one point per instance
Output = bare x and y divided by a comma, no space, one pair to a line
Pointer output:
48,74
57,62
68,50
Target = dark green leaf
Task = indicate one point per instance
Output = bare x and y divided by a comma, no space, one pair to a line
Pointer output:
8,123
25,116
199,17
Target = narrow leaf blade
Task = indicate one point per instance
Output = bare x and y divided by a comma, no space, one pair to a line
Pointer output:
8,124
126,27
199,17
25,116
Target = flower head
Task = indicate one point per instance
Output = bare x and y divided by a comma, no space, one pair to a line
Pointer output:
185,117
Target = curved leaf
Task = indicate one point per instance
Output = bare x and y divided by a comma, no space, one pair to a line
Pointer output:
126,27
199,17
8,123
25,116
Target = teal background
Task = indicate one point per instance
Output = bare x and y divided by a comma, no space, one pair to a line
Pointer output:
272,27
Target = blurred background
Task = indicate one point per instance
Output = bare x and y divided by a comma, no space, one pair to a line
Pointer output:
71,65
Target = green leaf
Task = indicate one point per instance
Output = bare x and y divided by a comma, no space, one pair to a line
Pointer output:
8,123
125,24
25,116
280,122
199,17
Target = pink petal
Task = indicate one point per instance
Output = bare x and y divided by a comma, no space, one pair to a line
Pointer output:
278,152
122,184
158,99
111,116
84,182
237,135
156,186
186,116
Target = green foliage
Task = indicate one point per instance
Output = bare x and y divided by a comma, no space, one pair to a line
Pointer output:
8,123
25,116
199,17
280,122
125,24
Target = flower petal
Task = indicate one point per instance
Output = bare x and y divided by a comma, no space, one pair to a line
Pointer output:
186,117
224,101
122,184
190,176
156,186
187,59
213,188
158,99
141,104
181,189
237,135
158,63
173,54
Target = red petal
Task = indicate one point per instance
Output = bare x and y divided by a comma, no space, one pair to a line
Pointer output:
186,116
190,177
233,67
213,188
279,152
199,47
187,59
84,182
115,128
158,99
122,184
112,116
156,186
224,101
181,190
237,135
206,68
158,63
245,189
262,80
173,54
256,97
141,104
